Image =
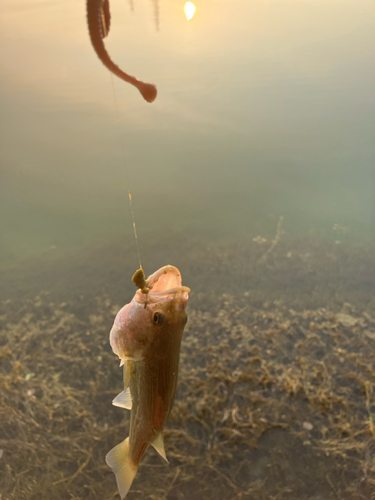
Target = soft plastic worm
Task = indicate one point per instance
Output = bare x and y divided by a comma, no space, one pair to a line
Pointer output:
98,17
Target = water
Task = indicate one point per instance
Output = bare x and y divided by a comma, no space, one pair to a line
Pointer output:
264,109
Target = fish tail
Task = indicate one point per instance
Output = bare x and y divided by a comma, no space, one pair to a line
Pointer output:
123,467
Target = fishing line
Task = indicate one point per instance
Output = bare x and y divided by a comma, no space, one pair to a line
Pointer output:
127,171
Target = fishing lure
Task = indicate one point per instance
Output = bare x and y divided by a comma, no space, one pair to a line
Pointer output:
99,21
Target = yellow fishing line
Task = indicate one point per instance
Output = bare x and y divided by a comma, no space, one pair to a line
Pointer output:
127,171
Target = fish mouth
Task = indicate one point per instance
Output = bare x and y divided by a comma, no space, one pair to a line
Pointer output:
165,284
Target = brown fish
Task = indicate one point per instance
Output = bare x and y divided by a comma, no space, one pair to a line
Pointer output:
146,336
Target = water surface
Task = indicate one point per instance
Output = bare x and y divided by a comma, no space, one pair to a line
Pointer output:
265,108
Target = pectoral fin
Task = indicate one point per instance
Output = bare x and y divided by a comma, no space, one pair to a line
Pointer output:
124,469
158,444
123,400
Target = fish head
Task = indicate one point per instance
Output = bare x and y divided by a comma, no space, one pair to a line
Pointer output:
151,316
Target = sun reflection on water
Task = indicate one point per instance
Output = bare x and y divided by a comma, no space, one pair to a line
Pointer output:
189,9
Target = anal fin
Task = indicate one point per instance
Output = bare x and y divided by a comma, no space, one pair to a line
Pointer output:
158,444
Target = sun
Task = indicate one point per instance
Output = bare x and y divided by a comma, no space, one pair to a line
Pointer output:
189,9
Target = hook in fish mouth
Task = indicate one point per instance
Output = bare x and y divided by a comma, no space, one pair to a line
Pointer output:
135,326
165,284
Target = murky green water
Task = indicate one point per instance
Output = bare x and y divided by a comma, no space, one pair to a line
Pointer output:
265,108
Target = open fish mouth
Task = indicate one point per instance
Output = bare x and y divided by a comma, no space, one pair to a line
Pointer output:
165,284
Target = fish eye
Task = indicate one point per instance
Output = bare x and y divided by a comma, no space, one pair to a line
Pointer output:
158,318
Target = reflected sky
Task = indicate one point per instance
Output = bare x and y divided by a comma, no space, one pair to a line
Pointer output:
264,108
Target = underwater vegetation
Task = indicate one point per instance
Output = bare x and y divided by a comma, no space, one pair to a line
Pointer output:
275,395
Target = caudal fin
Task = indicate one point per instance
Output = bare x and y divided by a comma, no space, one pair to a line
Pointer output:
122,466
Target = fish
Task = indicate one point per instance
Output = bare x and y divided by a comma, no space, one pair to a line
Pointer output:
146,336
99,20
